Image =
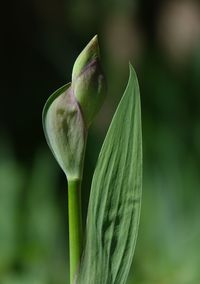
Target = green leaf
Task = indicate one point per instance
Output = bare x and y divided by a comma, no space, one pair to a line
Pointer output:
115,200
65,131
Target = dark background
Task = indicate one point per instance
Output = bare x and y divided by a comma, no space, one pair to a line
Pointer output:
40,41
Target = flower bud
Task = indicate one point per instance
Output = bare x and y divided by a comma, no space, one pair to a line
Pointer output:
88,82
70,110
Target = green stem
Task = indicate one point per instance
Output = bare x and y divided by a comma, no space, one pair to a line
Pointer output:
75,226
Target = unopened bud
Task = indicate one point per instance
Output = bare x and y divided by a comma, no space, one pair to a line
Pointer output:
88,81
70,110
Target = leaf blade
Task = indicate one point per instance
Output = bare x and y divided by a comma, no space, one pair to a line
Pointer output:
115,200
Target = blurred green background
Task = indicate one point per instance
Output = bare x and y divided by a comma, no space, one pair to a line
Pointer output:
40,40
